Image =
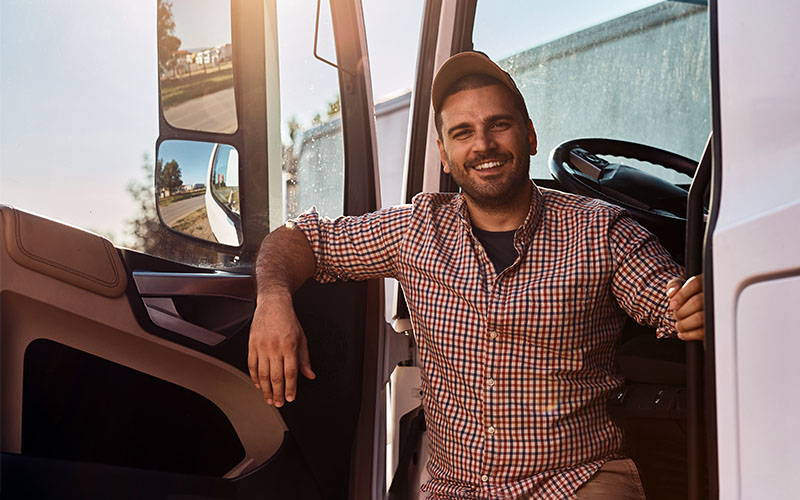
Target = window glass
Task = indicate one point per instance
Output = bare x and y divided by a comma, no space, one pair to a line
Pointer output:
79,99
311,127
628,69
225,177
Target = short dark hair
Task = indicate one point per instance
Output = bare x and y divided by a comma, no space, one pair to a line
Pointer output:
471,82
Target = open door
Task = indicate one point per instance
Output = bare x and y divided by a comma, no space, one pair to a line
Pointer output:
753,248
124,373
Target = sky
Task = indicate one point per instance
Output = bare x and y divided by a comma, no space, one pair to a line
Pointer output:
78,85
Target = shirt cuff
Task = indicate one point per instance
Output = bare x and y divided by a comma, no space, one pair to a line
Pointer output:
310,224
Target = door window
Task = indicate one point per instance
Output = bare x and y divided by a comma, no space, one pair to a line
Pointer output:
631,70
312,146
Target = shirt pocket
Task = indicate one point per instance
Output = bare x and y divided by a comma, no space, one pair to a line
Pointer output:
556,311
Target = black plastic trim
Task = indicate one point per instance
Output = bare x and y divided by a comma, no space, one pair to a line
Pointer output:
361,190
464,23
421,98
250,138
708,261
696,440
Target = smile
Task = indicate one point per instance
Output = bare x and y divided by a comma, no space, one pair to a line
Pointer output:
489,164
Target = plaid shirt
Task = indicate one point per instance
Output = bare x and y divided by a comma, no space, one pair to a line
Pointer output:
516,366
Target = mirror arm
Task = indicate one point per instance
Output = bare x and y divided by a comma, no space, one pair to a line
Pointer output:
316,38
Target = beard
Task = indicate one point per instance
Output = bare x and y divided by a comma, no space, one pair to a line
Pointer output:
493,196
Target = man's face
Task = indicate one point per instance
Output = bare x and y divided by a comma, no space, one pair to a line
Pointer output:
486,145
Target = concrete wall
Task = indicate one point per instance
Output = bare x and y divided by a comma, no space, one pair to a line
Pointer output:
643,77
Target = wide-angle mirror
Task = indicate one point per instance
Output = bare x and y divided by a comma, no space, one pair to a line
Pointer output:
195,65
197,190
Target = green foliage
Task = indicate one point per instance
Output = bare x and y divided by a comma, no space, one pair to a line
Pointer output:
334,107
169,176
168,43
147,235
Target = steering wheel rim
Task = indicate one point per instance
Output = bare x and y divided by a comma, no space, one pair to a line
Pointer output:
669,226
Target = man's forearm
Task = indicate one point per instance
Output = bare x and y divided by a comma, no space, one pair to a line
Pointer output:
285,261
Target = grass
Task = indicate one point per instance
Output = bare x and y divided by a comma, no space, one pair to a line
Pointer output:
163,202
196,224
183,89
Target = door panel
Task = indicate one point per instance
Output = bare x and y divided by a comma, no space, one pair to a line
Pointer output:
39,306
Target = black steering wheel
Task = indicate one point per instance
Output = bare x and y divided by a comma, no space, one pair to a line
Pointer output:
657,204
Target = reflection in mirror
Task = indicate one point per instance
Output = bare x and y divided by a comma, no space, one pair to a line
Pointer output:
195,65
197,188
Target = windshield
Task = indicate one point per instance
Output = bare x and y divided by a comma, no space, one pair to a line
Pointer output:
631,70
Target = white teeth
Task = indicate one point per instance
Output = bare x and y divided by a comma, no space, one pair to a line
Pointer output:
491,164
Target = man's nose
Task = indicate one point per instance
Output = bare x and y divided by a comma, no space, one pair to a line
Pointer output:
483,140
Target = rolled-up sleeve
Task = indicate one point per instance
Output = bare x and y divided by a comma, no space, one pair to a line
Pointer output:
643,269
355,247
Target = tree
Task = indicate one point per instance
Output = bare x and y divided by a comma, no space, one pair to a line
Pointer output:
146,234
168,43
334,107
169,176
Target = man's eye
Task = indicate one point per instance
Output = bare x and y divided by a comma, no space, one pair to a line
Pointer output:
461,134
502,125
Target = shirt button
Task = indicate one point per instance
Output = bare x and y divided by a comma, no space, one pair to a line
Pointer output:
492,334
484,478
491,430
490,382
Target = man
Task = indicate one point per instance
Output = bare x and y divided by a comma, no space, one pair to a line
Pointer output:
517,296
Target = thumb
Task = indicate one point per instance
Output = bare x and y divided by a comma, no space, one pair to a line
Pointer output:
305,361
673,286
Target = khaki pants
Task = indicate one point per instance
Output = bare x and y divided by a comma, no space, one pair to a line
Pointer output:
616,479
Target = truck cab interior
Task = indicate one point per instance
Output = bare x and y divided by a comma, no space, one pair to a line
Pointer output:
124,372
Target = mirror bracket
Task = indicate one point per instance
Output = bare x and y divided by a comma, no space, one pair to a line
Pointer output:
316,38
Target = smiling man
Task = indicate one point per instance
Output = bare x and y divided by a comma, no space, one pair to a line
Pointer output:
517,296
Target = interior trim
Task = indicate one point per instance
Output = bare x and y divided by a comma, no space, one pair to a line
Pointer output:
37,305
217,284
69,254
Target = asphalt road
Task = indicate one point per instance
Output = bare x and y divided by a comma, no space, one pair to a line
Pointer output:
176,211
212,113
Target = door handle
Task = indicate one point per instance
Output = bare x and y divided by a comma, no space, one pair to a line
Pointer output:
158,288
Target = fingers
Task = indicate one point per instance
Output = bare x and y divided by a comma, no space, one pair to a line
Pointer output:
692,322
691,287
276,377
673,286
277,353
698,334
252,366
264,379
305,361
290,374
686,304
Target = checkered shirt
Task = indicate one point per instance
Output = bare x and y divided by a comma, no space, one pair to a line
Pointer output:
517,366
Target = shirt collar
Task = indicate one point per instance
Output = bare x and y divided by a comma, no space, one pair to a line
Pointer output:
526,229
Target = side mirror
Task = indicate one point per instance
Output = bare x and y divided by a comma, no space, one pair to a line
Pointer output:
195,65
197,190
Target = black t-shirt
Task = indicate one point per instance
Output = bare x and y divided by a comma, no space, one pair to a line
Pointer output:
499,246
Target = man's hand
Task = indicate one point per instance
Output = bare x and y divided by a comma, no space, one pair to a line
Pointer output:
277,349
686,303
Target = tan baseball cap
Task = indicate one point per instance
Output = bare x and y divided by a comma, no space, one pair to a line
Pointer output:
468,63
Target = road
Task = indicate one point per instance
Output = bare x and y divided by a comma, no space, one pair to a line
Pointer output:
176,211
212,113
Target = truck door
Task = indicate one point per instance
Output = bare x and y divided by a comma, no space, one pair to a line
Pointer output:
124,372
754,249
